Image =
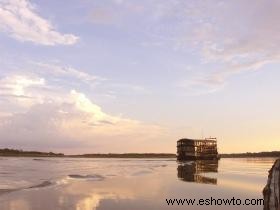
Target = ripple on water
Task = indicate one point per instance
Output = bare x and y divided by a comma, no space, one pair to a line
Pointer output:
43,184
94,177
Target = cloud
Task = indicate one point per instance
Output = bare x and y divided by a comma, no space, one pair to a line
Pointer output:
88,114
73,78
20,20
57,70
204,29
16,84
38,127
233,45
20,91
66,119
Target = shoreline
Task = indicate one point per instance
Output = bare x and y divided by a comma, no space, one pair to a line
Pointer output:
123,157
21,153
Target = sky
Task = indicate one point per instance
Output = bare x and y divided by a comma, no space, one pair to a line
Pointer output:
119,76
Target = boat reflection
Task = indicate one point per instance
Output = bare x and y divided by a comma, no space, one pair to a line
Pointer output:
195,171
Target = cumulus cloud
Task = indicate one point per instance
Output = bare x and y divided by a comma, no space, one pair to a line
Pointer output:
67,119
20,91
21,21
16,84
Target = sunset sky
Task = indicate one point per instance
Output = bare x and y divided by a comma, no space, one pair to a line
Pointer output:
135,76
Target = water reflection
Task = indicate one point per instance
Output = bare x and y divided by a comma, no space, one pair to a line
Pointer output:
192,171
131,186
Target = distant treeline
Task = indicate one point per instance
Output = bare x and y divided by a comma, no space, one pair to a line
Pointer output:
14,152
21,153
252,154
128,155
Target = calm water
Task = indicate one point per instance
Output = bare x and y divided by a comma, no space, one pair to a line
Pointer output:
89,184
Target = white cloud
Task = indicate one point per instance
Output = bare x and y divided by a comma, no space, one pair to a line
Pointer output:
67,71
61,119
20,20
92,120
20,91
83,104
16,84
73,78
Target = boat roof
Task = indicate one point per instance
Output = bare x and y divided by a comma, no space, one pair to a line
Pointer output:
206,139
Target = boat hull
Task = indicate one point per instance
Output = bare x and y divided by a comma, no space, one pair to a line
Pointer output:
183,158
